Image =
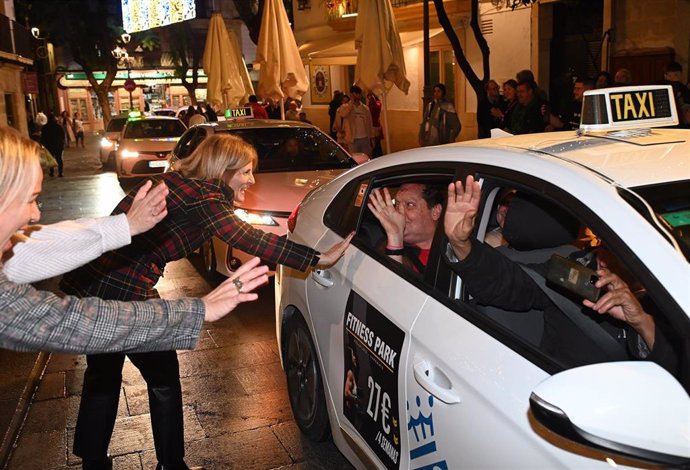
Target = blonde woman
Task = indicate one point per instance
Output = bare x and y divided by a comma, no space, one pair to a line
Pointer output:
200,205
32,320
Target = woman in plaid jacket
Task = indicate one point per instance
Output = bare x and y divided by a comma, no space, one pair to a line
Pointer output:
200,205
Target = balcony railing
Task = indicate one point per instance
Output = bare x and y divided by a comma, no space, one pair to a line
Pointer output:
16,41
346,8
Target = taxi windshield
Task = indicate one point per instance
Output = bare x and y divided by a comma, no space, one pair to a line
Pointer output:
671,204
154,128
294,149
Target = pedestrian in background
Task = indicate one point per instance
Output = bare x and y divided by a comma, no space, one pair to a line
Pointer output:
66,123
78,126
200,205
440,122
332,109
53,138
374,104
258,110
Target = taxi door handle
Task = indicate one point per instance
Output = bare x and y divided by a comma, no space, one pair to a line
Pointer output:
435,381
322,277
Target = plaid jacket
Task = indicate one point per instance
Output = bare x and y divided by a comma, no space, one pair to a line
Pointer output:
197,210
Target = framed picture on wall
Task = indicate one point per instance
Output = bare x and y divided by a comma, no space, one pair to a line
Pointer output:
320,84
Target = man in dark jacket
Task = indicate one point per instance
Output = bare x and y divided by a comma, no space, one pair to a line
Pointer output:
53,138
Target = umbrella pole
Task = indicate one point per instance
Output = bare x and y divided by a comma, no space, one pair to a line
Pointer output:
282,109
385,123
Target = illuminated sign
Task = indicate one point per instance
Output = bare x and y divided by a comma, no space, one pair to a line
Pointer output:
139,15
628,107
235,113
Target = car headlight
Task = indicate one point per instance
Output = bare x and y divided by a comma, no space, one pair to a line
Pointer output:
107,143
129,154
255,218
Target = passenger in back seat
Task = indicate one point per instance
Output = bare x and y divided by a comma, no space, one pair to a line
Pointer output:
495,280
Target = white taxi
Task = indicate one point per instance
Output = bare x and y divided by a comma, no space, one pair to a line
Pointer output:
144,145
411,368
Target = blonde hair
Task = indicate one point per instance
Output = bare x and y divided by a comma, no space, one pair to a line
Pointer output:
216,155
19,166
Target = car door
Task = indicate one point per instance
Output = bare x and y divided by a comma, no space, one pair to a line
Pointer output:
367,305
471,374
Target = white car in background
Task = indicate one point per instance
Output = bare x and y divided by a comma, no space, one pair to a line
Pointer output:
294,158
406,370
110,137
145,144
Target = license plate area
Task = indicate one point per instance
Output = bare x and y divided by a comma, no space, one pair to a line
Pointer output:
157,163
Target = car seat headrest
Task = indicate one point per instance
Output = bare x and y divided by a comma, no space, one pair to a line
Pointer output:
532,223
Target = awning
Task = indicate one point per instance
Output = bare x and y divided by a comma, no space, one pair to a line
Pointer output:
77,79
339,49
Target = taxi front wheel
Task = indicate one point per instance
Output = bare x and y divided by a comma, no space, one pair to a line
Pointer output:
304,381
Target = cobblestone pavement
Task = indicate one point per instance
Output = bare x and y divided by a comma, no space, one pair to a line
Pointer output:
237,413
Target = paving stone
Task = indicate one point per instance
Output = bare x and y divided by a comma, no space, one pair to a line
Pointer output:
65,362
267,377
242,413
39,450
230,357
219,386
52,386
47,415
311,455
74,381
256,449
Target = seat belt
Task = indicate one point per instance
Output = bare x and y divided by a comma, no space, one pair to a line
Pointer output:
612,348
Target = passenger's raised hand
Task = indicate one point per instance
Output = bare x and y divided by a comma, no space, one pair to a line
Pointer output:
232,292
392,218
461,211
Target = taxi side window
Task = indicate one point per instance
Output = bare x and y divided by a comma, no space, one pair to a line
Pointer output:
534,290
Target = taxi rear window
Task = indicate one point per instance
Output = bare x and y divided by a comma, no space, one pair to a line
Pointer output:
671,204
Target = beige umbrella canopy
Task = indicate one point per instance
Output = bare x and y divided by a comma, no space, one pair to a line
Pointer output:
228,80
281,71
380,59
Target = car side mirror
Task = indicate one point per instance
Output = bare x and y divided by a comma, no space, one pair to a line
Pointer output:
101,132
360,157
636,409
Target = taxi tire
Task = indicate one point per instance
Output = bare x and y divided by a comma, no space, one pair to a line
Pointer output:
304,381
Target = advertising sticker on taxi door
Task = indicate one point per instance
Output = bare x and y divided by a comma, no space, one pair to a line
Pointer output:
370,396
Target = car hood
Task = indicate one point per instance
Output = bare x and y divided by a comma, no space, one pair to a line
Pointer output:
283,191
163,144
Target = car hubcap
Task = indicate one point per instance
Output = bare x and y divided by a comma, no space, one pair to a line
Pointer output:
301,375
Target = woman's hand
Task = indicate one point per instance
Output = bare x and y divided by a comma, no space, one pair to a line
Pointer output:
392,218
334,253
148,208
237,289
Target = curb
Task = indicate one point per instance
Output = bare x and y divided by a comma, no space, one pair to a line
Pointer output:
17,422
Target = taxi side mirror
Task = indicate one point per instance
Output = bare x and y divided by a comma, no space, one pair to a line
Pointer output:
635,409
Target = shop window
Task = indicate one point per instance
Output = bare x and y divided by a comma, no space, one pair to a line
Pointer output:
79,105
96,106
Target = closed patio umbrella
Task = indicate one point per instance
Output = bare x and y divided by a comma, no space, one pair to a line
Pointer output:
228,80
281,71
380,59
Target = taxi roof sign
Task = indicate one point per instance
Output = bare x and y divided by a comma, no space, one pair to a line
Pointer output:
239,113
628,108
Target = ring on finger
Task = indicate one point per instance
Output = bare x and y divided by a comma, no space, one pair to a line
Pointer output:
238,284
